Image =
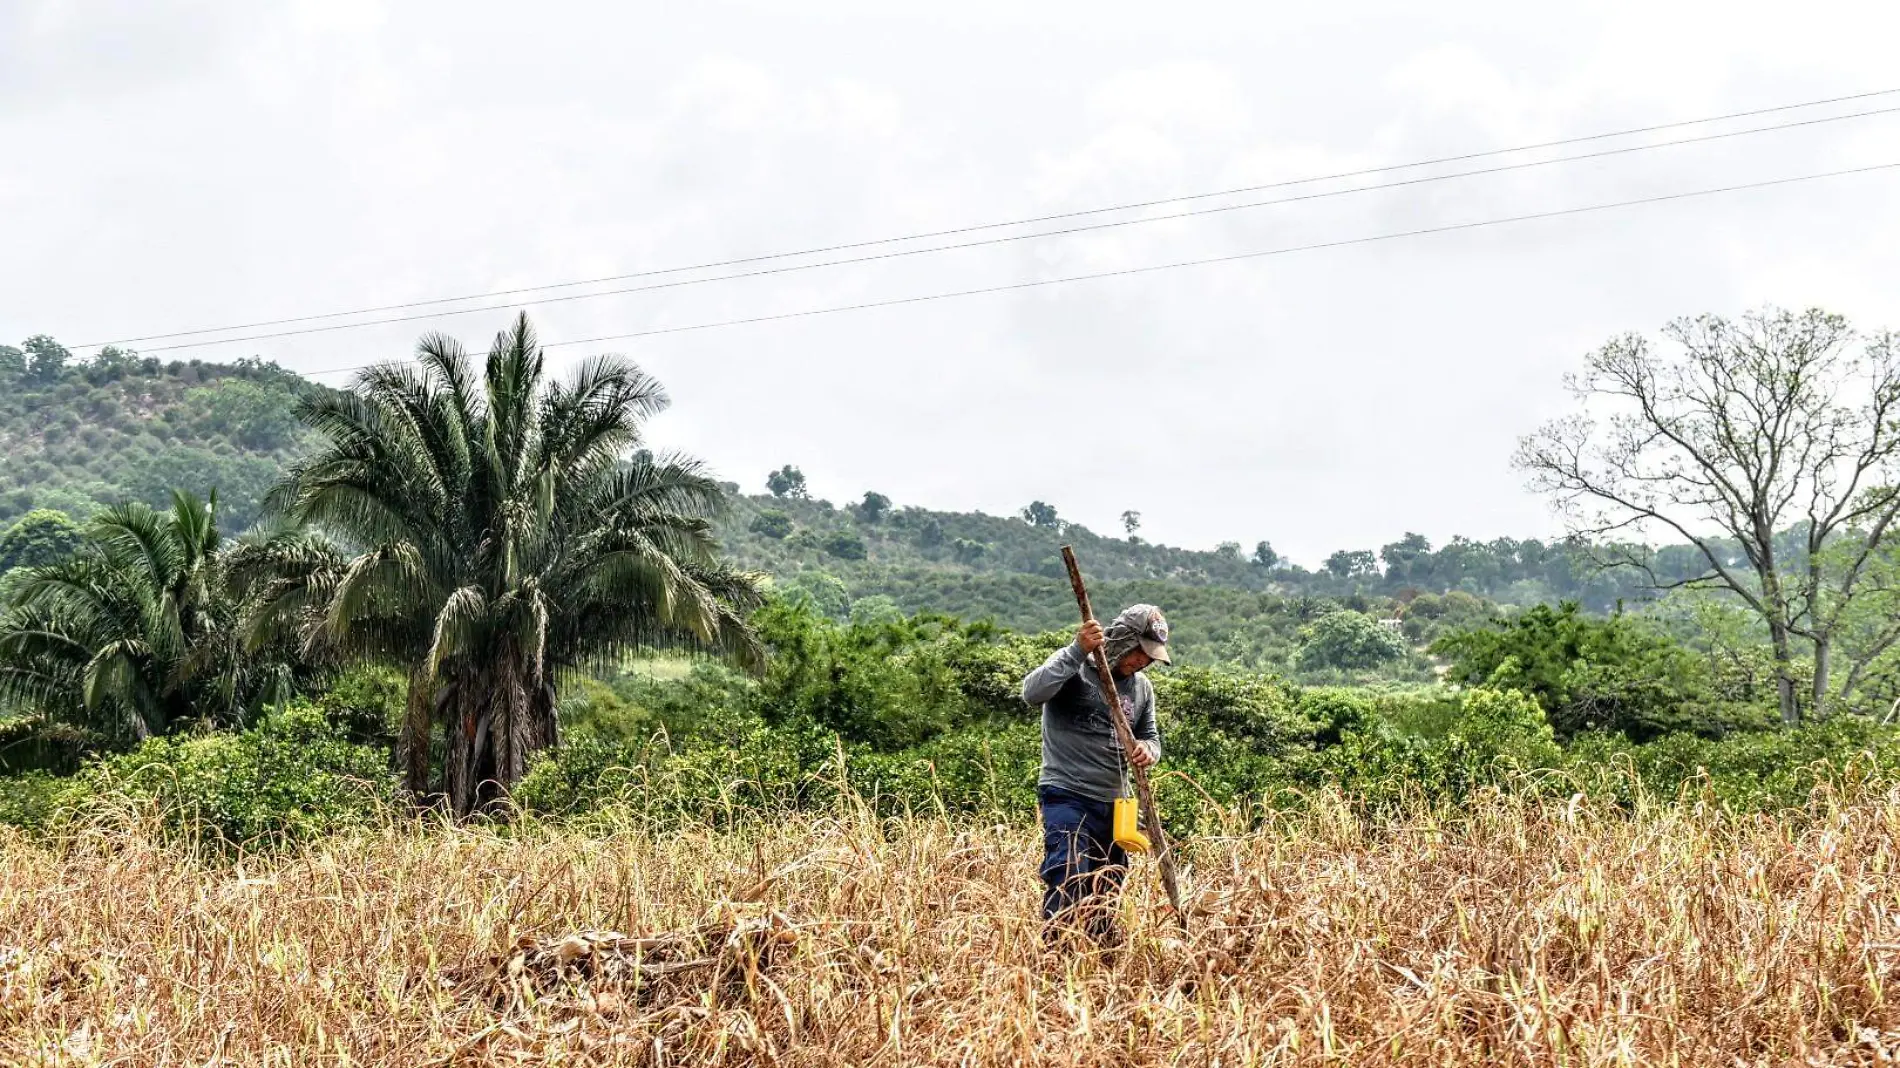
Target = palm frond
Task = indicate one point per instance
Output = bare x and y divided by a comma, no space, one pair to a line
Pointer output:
455,627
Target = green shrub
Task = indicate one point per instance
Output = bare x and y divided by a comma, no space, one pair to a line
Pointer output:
886,685
976,770
845,544
1589,674
367,704
1500,735
293,777
584,773
1348,640
34,801
771,523
1757,771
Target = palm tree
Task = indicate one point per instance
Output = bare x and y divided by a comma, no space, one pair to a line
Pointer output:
504,536
137,630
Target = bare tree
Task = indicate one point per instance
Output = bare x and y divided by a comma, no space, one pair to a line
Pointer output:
1774,424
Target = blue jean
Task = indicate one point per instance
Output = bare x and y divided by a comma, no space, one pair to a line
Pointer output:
1082,867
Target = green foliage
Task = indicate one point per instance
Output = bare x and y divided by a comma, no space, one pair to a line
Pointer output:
788,482
82,435
989,772
845,544
1590,674
1041,515
1755,771
250,414
505,538
37,801
923,715
824,592
291,778
1348,640
771,523
30,743
875,609
888,685
1351,564
1264,556
730,765
365,703
45,358
1430,616
874,507
39,538
142,629
1499,732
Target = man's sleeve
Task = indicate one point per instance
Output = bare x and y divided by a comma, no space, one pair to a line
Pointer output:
1147,726
1043,683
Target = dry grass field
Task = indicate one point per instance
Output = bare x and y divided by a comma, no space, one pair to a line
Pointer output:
1516,933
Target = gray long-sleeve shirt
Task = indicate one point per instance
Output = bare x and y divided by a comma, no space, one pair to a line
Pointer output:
1080,753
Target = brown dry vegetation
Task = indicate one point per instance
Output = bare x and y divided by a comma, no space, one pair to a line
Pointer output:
1514,933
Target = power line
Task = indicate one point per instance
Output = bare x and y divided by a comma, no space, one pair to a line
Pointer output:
260,324
1112,224
1127,271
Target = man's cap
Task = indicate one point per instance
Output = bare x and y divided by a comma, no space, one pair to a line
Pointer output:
1140,624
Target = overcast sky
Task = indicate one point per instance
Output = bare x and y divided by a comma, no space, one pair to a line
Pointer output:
180,165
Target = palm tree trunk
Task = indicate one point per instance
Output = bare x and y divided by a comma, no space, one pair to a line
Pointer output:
413,745
462,729
520,729
547,722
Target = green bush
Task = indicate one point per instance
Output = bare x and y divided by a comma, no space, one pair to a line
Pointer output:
584,773
38,538
35,801
845,544
733,764
293,777
1500,734
1759,771
886,685
1348,640
367,704
976,770
1590,674
771,523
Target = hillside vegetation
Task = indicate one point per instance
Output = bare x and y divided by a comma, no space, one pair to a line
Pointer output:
79,436
118,428
788,533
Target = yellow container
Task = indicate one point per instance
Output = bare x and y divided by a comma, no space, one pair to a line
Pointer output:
1128,826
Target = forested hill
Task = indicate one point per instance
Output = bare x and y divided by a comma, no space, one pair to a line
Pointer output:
81,435
877,545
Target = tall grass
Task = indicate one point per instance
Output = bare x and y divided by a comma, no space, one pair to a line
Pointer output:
1512,932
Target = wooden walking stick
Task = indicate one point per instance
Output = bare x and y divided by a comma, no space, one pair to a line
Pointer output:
1164,850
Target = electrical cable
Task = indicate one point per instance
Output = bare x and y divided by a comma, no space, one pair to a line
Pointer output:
1152,268
997,225
1089,227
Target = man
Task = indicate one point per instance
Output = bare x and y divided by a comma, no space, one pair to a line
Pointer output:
1084,769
